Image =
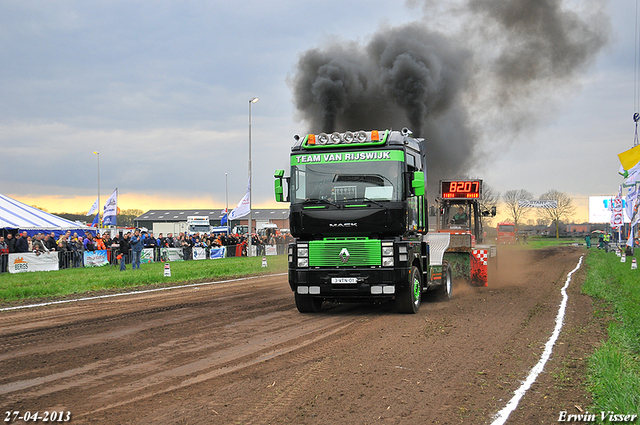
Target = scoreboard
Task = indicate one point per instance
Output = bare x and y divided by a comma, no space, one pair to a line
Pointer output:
461,189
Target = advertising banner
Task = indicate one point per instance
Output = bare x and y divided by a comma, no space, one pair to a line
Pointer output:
537,203
199,253
271,250
146,256
600,208
30,262
96,258
217,253
171,254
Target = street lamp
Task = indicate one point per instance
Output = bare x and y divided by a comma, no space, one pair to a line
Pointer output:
226,197
251,101
98,153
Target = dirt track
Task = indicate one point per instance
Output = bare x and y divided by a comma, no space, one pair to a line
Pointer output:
239,352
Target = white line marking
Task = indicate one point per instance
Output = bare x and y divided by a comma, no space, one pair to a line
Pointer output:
136,292
502,416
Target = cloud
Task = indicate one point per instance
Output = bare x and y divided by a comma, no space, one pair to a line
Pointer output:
447,86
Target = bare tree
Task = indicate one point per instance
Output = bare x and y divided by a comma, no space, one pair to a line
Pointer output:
490,199
515,212
564,210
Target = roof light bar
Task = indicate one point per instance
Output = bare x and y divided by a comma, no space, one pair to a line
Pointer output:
324,140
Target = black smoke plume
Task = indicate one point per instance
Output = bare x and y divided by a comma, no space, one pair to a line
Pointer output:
508,52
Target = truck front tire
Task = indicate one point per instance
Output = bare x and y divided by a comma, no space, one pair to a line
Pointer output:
408,298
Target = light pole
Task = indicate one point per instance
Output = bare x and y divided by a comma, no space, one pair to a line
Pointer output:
251,101
98,153
226,197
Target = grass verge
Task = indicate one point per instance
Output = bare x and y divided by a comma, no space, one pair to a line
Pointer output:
538,242
35,285
614,368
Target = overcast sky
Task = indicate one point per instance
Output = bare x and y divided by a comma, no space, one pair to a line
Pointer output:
161,89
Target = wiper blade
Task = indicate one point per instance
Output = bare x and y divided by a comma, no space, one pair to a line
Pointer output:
364,198
318,201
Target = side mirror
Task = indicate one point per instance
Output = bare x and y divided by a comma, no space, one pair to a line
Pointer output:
418,183
279,192
493,211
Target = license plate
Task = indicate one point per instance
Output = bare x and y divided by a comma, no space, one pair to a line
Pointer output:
344,280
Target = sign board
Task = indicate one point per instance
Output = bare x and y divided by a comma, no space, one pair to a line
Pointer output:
146,256
30,262
171,254
540,203
199,253
600,209
96,258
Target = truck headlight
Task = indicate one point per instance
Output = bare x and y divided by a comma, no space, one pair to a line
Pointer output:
303,252
303,262
387,254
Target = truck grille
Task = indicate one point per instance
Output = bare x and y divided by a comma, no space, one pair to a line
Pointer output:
331,252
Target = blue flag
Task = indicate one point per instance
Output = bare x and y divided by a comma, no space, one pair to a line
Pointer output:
223,220
95,221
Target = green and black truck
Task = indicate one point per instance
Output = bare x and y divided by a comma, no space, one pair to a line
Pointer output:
359,214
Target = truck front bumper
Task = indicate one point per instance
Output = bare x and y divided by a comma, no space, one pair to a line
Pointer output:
357,284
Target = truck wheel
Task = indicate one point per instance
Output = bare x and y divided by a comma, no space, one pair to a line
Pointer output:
308,304
408,299
445,293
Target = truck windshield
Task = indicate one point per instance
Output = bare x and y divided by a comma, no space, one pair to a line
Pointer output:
345,182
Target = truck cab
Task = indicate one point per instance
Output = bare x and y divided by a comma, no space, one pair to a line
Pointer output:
358,213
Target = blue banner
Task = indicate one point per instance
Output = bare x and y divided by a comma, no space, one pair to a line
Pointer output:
217,253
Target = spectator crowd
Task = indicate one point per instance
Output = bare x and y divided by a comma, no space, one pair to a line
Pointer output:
125,247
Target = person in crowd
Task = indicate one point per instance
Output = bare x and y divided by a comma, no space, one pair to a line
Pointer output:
99,243
4,255
11,243
123,241
38,245
150,241
136,249
106,238
108,242
50,241
185,243
63,249
22,244
89,245
115,249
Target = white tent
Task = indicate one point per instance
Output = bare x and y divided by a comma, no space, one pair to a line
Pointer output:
16,215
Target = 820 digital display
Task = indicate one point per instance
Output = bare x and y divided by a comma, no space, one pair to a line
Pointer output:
461,189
